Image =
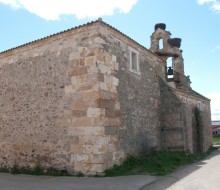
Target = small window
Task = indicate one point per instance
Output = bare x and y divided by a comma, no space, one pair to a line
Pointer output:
161,44
134,61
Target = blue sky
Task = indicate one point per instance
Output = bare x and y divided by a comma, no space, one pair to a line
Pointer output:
196,22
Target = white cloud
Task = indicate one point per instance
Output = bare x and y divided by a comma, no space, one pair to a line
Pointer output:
201,2
215,48
12,3
215,105
214,4
53,9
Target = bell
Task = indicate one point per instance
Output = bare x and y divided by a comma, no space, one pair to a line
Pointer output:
170,71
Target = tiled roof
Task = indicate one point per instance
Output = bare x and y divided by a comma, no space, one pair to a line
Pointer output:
77,27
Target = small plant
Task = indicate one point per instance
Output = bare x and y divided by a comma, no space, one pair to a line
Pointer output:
37,170
4,170
97,175
79,174
25,170
55,172
15,169
157,163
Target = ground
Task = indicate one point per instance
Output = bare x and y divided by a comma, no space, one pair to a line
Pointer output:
200,175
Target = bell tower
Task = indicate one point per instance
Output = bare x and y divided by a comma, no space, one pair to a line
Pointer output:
164,46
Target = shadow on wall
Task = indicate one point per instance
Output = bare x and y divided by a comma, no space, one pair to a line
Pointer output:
197,132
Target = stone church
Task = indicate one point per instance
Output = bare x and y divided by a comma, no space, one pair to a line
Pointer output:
85,98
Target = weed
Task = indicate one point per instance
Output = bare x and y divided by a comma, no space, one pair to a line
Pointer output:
4,170
37,170
157,163
15,169
54,172
79,174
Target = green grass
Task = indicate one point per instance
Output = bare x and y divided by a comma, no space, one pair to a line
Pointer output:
37,170
4,170
215,139
158,163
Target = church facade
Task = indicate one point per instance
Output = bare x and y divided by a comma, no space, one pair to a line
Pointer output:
86,98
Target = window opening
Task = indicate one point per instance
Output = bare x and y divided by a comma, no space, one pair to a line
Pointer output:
161,44
134,61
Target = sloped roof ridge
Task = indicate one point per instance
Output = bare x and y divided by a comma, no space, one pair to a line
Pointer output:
73,28
77,27
124,35
184,91
200,95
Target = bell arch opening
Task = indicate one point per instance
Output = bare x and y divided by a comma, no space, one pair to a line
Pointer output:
160,43
169,67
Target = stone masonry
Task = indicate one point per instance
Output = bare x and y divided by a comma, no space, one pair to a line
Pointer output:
184,114
71,101
59,103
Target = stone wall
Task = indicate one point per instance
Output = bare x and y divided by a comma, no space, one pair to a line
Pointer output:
179,120
138,95
59,104
70,101
197,109
139,98
34,108
172,119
